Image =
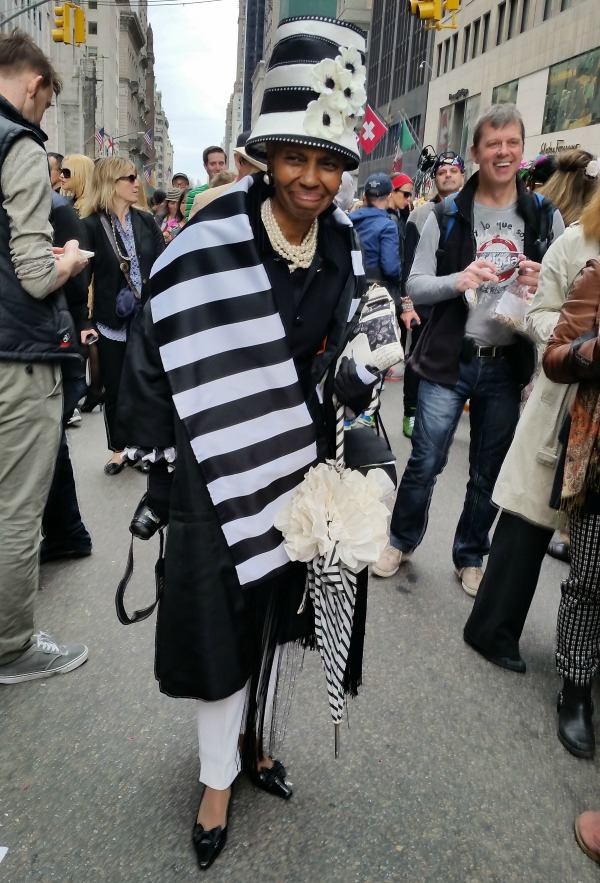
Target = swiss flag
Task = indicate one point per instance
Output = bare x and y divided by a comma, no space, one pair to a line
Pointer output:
373,130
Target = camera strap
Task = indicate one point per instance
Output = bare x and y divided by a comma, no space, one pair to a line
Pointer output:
159,575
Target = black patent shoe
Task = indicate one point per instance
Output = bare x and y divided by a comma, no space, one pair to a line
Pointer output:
560,551
113,468
208,844
575,725
272,780
511,663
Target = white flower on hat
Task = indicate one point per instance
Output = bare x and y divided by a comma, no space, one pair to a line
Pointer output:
592,170
325,77
350,59
322,121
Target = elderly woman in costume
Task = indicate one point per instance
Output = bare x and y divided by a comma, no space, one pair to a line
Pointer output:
231,365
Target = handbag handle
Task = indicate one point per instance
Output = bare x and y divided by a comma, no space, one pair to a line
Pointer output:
123,265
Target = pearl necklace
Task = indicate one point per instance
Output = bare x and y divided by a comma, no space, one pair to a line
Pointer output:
297,255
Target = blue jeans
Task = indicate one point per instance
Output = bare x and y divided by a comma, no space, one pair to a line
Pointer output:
494,411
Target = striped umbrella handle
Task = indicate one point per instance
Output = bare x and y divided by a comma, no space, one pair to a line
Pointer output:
339,435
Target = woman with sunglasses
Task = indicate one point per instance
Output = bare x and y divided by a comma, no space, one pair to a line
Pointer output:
76,172
125,242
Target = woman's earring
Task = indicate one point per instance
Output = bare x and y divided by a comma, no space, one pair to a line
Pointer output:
268,178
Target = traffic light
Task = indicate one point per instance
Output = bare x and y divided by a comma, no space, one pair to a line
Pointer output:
452,5
79,24
62,22
427,8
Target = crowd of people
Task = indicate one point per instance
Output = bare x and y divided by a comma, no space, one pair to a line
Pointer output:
246,291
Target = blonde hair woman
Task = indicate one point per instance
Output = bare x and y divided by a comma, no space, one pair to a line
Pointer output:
126,241
573,183
76,173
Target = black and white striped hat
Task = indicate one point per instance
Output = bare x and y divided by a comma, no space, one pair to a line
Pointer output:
314,88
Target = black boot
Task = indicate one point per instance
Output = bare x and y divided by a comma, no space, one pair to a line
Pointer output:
575,728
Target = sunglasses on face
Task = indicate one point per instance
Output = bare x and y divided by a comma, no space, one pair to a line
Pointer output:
131,178
406,193
66,173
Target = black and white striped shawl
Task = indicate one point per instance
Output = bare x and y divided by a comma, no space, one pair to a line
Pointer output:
232,376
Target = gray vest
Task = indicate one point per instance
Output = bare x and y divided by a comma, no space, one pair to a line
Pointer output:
31,330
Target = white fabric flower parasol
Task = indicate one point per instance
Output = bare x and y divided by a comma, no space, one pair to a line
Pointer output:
337,524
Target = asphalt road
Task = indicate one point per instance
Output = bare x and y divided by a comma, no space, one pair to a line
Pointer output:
450,769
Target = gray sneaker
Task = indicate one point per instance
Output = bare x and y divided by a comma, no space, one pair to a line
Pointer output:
44,658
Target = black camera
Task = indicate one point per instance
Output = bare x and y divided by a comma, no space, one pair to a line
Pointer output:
145,522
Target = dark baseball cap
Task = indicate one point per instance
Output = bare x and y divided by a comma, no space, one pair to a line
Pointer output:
378,184
181,175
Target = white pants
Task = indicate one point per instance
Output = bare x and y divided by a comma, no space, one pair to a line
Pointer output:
219,727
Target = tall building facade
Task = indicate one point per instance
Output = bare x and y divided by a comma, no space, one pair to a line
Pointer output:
543,55
398,60
163,149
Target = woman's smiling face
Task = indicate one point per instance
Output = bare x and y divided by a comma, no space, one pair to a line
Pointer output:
306,179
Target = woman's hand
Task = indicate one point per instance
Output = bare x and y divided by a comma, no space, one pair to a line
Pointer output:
353,385
408,317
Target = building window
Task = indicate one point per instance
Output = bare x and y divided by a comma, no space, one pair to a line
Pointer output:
486,32
454,50
524,16
92,28
446,55
547,9
512,18
506,93
476,29
501,17
438,65
92,4
573,94
565,4
92,52
466,44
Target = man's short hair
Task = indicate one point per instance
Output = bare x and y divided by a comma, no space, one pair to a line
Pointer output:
56,156
212,149
498,116
18,53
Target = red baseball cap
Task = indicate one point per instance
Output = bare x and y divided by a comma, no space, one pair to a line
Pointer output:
400,181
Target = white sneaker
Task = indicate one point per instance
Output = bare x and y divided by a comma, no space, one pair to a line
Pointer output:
389,561
75,419
470,578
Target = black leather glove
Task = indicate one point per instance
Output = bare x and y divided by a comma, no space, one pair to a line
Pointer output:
350,389
153,509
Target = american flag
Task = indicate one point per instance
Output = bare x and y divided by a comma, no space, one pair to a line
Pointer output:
100,137
147,173
148,137
110,144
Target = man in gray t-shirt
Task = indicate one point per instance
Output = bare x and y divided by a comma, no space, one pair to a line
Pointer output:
493,233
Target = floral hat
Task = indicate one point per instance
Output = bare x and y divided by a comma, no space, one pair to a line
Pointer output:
314,88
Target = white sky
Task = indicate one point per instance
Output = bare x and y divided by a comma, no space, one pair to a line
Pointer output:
195,49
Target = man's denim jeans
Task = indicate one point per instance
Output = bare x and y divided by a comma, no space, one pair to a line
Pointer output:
494,411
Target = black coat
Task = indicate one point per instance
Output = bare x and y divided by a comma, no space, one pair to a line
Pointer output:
205,618
108,277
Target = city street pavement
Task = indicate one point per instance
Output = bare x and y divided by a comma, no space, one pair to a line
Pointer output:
450,770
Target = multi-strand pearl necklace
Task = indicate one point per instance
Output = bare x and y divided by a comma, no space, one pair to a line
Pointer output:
297,255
